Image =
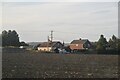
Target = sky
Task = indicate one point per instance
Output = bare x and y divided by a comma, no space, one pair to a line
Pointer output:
59,0
69,20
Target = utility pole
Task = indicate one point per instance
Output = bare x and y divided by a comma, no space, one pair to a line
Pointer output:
48,39
51,35
48,43
51,40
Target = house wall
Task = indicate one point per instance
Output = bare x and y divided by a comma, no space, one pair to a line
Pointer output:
76,46
44,48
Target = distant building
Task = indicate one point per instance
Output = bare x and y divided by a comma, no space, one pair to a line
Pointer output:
80,44
50,46
33,45
23,47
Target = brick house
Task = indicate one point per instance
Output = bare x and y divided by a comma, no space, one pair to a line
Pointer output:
80,44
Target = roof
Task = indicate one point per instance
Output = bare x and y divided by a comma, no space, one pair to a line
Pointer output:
34,43
79,41
48,44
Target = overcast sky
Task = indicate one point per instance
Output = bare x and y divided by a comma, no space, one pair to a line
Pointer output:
69,20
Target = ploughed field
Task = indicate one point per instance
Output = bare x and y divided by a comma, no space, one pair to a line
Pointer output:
27,64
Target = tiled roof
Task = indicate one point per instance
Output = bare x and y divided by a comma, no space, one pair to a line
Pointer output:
48,44
79,41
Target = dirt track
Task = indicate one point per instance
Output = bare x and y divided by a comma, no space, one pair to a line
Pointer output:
45,65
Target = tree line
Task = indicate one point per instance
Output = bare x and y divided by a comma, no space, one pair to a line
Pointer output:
11,38
112,46
113,43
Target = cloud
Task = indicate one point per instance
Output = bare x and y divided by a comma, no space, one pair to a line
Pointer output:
88,19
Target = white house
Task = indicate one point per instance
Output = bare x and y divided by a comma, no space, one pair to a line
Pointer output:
50,46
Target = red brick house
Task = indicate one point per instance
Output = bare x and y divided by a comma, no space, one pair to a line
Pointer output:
80,44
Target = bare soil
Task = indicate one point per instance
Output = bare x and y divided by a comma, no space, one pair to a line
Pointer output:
26,64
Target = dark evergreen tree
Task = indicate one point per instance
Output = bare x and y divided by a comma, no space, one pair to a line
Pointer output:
118,44
10,38
114,38
113,42
102,43
4,38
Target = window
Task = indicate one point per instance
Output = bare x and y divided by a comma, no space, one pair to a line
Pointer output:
76,44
